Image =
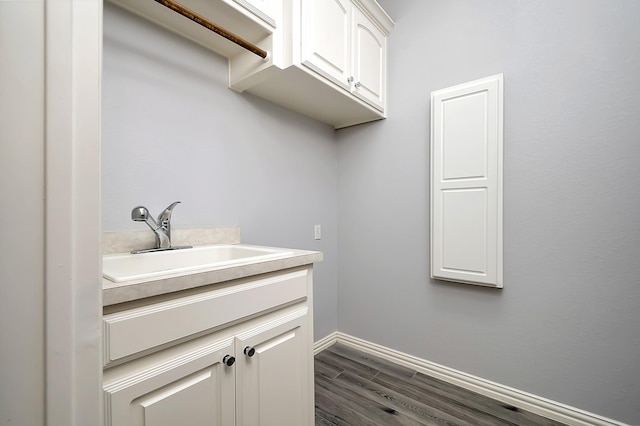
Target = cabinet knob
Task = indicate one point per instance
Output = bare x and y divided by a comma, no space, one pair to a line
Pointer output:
228,360
358,84
249,351
350,80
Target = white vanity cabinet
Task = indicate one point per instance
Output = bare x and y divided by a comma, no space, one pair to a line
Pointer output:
346,47
240,353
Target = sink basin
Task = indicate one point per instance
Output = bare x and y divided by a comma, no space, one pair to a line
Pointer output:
128,267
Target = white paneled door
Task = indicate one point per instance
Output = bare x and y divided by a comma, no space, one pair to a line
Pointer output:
466,182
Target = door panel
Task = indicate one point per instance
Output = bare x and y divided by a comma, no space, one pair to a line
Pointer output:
195,388
275,384
167,406
466,183
326,38
369,61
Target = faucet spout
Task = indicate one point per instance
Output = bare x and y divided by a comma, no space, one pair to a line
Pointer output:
141,214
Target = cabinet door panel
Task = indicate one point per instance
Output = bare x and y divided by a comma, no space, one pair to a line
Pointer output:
195,388
369,61
326,38
466,182
275,384
168,405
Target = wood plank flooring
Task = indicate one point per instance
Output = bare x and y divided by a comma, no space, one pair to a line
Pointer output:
356,389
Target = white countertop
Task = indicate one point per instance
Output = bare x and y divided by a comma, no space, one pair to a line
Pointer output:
114,293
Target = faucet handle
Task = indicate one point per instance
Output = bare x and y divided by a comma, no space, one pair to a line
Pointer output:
164,218
171,206
166,213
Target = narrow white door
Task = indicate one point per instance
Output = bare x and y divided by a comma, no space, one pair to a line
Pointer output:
369,60
195,388
275,373
466,182
326,39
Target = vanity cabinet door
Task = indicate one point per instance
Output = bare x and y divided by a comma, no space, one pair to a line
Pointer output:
195,388
275,373
369,61
326,39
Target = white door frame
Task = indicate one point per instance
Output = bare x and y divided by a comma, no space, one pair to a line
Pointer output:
73,284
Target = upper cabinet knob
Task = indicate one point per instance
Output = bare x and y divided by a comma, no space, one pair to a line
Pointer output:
350,79
249,351
228,360
358,84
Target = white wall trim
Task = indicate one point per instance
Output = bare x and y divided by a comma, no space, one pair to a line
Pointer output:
535,404
73,308
325,342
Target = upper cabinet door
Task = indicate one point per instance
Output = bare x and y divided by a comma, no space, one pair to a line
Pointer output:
326,39
466,182
369,61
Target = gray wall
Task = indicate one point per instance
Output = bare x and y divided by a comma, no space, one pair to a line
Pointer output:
565,326
22,339
172,130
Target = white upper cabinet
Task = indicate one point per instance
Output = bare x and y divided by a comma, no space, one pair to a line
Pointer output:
326,39
331,64
343,45
326,59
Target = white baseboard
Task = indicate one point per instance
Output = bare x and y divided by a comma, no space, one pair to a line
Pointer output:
325,342
524,400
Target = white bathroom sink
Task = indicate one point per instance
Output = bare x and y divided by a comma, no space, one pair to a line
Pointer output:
128,267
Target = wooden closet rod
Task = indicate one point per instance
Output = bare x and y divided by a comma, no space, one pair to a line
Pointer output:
187,13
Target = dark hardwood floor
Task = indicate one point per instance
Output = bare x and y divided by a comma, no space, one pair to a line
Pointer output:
354,388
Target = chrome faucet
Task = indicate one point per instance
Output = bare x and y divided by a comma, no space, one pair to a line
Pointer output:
161,228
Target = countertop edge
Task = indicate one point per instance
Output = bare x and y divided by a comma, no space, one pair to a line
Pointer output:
115,293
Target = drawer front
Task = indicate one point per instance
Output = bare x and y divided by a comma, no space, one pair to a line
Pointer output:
140,329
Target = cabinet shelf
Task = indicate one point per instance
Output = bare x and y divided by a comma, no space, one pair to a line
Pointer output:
233,16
